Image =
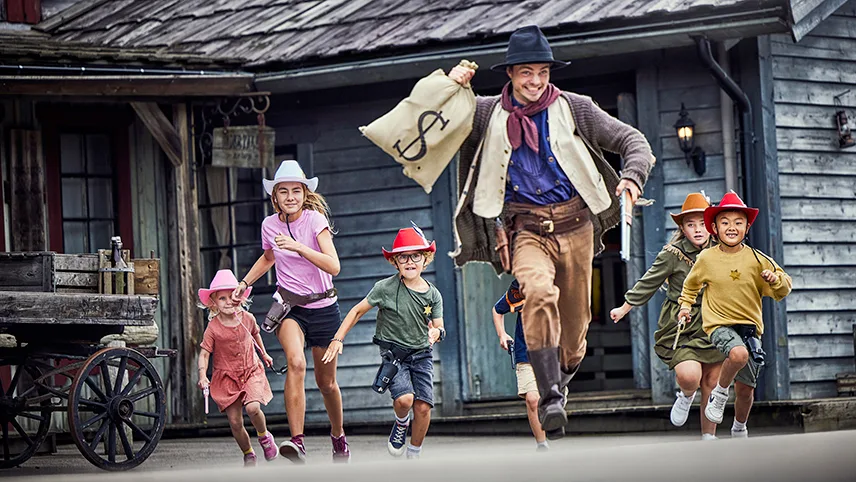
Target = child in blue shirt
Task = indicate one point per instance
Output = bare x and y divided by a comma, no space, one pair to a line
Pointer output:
527,389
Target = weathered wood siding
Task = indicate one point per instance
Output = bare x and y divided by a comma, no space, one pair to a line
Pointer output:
370,200
818,199
688,82
148,191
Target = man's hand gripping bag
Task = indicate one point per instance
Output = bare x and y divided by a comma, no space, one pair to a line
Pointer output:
425,131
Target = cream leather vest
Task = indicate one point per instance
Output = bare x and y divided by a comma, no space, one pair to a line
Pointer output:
568,148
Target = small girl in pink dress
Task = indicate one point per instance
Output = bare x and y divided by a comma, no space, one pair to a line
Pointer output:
238,380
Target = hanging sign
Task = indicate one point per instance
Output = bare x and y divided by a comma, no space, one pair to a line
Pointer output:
243,146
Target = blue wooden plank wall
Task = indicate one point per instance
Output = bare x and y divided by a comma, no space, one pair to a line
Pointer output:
816,180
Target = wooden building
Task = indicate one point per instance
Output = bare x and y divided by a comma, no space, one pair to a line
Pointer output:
332,66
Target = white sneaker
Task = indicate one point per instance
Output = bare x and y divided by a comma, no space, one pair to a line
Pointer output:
708,436
740,433
716,406
681,408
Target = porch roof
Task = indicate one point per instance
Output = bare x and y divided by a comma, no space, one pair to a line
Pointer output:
277,34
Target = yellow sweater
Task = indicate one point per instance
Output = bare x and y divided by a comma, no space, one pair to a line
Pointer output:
734,287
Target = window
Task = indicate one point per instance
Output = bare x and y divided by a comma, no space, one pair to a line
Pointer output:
87,192
232,205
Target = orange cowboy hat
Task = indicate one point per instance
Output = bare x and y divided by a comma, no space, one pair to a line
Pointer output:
730,202
696,202
409,239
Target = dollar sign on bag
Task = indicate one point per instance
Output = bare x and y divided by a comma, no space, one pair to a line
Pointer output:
423,147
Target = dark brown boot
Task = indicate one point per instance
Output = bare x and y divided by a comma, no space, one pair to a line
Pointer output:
551,407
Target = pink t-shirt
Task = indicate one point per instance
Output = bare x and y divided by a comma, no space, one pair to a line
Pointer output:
293,272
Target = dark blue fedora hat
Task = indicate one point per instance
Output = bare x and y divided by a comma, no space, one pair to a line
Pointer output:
528,45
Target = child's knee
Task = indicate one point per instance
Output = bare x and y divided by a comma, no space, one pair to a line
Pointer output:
296,365
253,409
743,391
327,386
688,378
404,402
532,399
421,409
739,355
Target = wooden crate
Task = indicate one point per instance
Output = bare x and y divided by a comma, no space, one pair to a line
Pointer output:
114,282
31,271
846,383
76,273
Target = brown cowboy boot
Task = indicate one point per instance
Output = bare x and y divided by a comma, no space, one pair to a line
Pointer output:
551,407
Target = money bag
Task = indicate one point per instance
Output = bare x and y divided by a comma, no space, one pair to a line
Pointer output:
425,131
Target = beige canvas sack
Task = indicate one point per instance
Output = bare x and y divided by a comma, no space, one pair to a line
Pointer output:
425,131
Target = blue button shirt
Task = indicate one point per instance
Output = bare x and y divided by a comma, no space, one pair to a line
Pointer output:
537,178
510,302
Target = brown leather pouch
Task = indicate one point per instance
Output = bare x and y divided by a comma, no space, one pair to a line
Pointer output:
503,247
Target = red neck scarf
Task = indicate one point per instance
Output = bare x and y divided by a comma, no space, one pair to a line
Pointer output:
520,127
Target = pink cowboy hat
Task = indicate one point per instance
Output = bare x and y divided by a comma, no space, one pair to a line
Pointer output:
223,280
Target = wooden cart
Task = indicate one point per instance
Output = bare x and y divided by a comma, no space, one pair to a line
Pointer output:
60,374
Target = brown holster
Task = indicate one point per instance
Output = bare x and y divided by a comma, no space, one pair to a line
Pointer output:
279,311
294,299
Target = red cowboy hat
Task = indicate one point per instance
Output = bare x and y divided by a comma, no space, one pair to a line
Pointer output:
730,202
409,239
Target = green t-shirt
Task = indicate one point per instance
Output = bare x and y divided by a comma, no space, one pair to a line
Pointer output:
403,314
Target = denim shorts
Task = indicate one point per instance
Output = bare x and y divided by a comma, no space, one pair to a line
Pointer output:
319,325
416,376
725,339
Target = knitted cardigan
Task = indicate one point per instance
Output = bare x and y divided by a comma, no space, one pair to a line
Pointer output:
599,131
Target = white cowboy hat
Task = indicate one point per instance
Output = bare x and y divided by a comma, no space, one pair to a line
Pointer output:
289,171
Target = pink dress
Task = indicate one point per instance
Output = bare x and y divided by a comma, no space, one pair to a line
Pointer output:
238,372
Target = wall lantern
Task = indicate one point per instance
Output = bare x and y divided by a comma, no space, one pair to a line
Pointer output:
694,154
845,136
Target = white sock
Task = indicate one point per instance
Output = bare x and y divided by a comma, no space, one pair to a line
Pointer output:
543,444
708,436
689,397
738,426
414,450
721,389
403,421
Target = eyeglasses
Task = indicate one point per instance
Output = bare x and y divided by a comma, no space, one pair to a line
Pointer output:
415,257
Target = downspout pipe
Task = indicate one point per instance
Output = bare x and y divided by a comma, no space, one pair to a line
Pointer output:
747,147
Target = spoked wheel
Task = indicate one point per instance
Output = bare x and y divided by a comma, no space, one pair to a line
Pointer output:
116,391
25,413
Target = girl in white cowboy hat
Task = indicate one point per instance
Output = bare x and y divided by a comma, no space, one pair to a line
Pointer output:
298,239
687,350
238,381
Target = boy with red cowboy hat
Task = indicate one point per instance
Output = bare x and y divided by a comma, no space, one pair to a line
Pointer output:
409,322
685,349
238,382
736,278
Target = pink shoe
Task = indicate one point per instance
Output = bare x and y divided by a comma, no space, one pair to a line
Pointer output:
268,446
341,452
294,450
250,460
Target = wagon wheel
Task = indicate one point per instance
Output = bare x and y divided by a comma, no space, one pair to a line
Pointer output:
114,389
24,413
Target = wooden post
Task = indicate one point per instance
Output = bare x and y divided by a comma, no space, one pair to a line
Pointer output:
648,107
27,176
640,348
186,322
